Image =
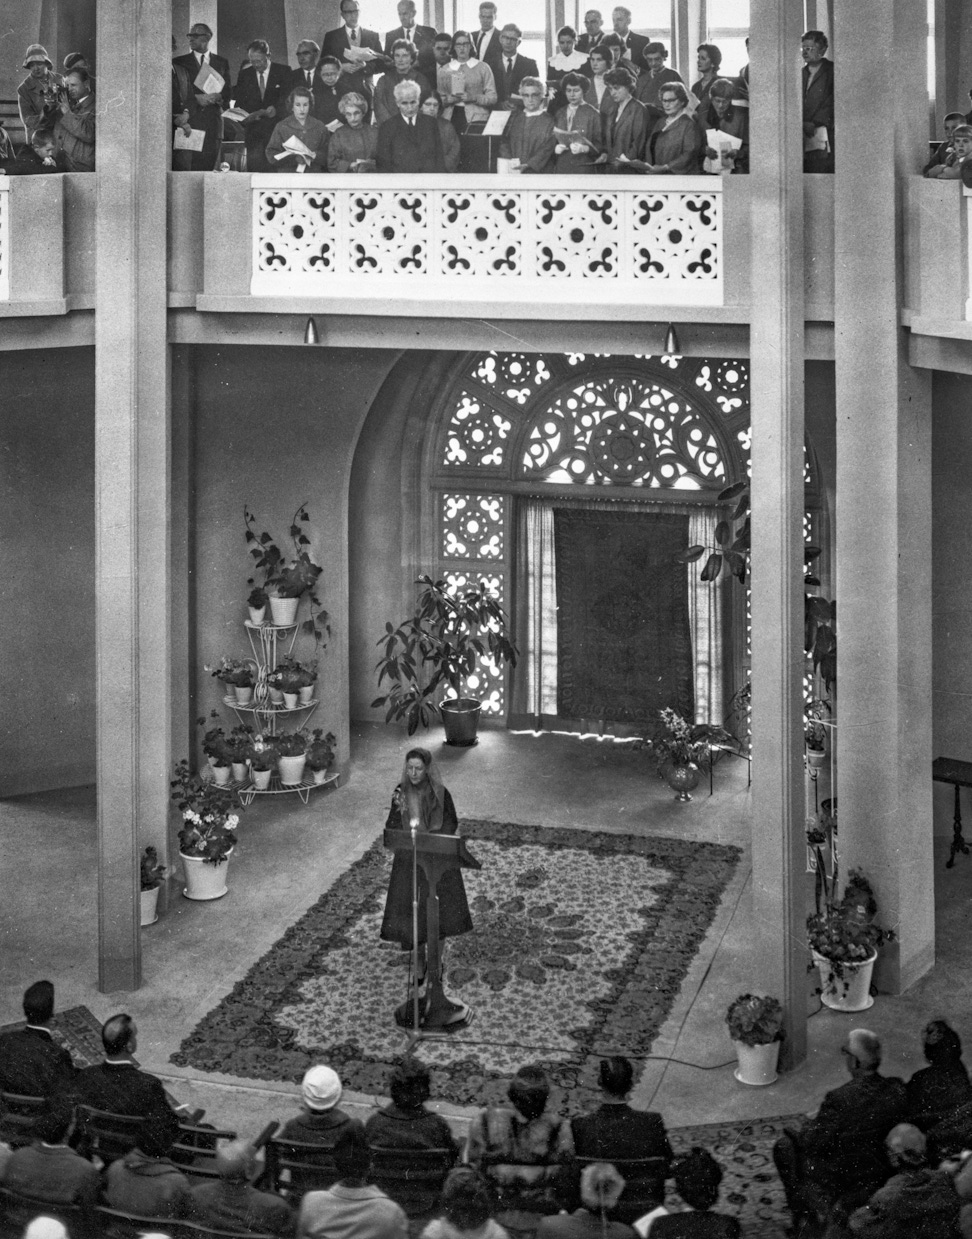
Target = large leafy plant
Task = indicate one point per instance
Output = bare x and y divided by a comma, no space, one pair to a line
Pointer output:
438,648
288,575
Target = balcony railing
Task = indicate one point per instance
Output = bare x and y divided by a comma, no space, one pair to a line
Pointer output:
579,239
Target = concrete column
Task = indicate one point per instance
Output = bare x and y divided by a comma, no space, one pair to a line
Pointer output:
131,472
777,379
883,494
688,31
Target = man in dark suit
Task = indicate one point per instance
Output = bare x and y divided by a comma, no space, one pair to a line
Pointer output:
818,99
513,68
117,1085
205,110
422,36
261,91
339,42
486,44
31,1061
634,44
593,31
615,1130
409,142
841,1151
308,54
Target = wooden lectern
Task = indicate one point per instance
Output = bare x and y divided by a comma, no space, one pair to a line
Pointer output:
435,855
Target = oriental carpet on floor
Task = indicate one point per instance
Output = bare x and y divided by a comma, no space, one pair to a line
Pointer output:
581,942
77,1030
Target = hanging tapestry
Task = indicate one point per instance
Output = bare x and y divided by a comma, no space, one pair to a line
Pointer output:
623,642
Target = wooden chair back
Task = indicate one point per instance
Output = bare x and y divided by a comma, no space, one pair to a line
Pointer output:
413,1178
104,1136
18,1117
296,1166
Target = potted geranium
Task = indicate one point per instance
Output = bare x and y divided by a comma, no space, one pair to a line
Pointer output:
262,756
756,1028
239,674
680,748
320,753
217,748
307,680
207,837
238,747
257,604
151,876
291,756
439,647
288,676
286,579
844,939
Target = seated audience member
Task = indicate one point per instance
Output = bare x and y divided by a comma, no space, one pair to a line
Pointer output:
675,145
818,100
74,128
565,60
600,1190
841,1152
626,128
654,76
598,94
145,1181
419,37
320,1120
959,167
308,54
512,68
298,124
352,1208
917,1202
117,1085
38,92
432,106
49,1169
230,1203
578,152
944,152
409,141
261,91
615,1130
709,59
732,120
520,1149
352,147
31,1062
935,1091
329,89
697,1179
466,85
465,1209
404,55
529,136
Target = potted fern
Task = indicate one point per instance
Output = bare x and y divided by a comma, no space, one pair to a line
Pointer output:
438,648
756,1028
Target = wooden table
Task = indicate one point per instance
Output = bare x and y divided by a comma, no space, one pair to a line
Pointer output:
959,773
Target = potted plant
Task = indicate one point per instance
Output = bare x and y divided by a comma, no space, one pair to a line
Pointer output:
257,604
291,756
238,747
756,1028
680,748
306,681
273,687
216,747
239,674
815,731
151,876
288,675
286,579
320,753
262,757
844,939
207,837
438,648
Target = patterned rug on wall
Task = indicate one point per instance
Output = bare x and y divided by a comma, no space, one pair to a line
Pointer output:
581,943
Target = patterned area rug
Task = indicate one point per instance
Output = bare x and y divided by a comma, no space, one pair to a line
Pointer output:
751,1188
581,942
77,1030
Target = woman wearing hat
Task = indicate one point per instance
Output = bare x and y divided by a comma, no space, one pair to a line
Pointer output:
320,1121
39,90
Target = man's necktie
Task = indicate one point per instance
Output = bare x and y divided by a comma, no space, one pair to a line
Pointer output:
509,66
408,36
310,77
354,37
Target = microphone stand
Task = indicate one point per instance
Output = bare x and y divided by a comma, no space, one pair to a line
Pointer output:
415,939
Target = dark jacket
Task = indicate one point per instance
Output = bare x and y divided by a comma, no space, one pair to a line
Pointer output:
818,110
31,1061
409,148
148,1186
246,95
323,1128
936,1092
120,1088
844,1144
336,44
693,1225
208,118
617,1131
237,1206
392,1128
509,83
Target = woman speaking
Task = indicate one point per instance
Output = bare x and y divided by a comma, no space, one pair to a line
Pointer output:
421,801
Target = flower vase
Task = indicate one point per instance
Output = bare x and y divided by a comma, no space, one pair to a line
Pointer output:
320,775
283,610
290,700
205,880
757,1063
257,614
276,696
292,769
261,779
149,901
852,991
243,694
306,693
221,774
682,778
239,771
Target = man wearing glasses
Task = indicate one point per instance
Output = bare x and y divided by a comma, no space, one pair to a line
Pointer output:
358,50
205,110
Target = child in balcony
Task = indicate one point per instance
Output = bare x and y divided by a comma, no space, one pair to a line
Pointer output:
960,169
944,154
39,157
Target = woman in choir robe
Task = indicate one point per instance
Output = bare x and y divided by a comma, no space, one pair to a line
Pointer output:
580,118
676,143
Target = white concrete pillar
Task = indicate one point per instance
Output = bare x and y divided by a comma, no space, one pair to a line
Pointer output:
688,31
131,472
883,491
777,382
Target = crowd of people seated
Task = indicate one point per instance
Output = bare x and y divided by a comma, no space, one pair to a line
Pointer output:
880,1158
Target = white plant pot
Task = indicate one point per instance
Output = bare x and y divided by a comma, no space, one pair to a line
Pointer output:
291,769
203,880
757,1063
243,694
257,614
852,993
221,774
319,775
816,758
150,906
276,696
283,610
239,771
306,693
290,700
261,779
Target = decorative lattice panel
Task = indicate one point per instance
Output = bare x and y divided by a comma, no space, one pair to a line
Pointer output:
662,244
488,681
477,435
473,527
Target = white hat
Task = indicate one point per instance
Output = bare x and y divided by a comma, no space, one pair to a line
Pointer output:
321,1088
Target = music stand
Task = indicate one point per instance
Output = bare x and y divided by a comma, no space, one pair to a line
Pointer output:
436,855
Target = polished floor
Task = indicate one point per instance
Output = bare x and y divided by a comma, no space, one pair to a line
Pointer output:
288,854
